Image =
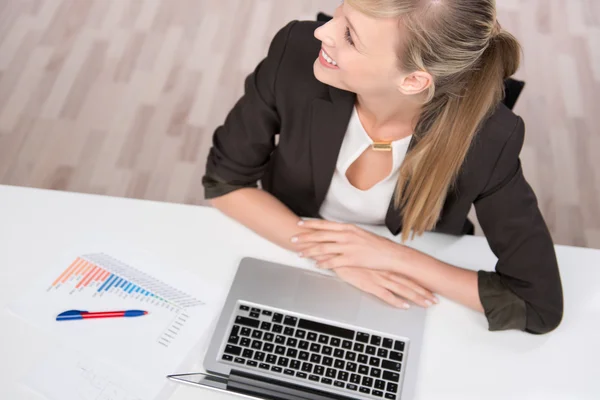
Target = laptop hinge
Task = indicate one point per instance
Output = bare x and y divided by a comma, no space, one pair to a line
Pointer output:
274,389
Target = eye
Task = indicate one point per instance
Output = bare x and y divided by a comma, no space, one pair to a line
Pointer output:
348,37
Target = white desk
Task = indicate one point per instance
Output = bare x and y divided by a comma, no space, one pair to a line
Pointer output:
461,359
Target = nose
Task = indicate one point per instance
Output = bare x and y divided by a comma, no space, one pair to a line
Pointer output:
323,34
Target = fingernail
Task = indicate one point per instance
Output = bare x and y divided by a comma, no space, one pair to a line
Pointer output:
436,300
300,255
294,239
300,223
406,306
429,303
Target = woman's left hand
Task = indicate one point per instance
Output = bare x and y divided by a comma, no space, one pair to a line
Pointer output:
338,245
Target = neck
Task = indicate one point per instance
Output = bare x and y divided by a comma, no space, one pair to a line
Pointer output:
387,117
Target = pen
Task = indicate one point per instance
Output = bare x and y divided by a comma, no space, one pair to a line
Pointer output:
72,315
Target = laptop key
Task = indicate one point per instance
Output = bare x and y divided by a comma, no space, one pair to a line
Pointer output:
314,378
362,337
319,370
251,363
330,373
342,376
233,340
303,355
292,353
291,321
245,342
295,364
235,330
315,358
391,365
350,366
227,357
392,387
326,381
335,342
326,350
256,310
300,334
267,313
339,384
247,353
359,347
379,384
244,308
367,381
327,361
259,356
239,360
256,334
276,369
280,339
363,369
391,376
375,372
351,386
312,336
280,350
339,353
301,375
283,362
323,339
288,371
374,362
268,347
268,337
256,344
253,323
339,364
315,348
376,340
399,345
365,390
303,345
350,356
371,350
394,355
307,367
264,366
277,318
246,332
346,344
234,350
377,393
265,326
271,358
383,353
390,396
288,331
254,315
277,328
388,343
363,359
355,378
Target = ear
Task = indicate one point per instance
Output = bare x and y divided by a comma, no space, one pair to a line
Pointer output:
415,83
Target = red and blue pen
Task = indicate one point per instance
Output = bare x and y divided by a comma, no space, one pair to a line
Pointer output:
72,315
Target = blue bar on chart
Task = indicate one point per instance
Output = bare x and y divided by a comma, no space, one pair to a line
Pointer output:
111,283
105,283
131,289
123,284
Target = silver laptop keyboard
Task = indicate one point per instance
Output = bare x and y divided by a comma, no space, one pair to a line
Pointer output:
310,352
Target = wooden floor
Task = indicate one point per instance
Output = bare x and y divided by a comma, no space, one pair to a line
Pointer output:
120,97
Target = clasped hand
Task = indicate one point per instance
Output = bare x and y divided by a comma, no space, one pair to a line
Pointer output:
363,259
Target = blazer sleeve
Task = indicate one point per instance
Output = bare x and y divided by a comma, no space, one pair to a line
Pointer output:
525,291
242,146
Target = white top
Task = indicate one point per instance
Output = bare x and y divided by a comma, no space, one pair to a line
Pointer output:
40,226
346,203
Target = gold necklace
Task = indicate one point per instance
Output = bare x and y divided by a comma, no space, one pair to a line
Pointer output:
381,146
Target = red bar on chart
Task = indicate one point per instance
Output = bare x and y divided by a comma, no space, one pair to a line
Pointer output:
78,264
95,275
66,271
85,269
86,279
103,276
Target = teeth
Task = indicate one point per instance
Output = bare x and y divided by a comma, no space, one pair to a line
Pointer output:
329,59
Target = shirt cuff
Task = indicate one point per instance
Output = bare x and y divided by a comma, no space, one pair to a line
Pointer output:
216,187
503,309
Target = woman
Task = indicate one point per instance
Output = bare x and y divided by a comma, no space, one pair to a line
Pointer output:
392,116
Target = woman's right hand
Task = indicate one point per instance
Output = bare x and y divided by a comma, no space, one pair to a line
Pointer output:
392,288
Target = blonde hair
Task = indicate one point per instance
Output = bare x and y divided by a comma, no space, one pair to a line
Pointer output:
461,44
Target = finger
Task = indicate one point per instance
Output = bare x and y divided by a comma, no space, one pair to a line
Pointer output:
389,297
335,261
322,249
404,292
323,258
413,286
322,224
321,236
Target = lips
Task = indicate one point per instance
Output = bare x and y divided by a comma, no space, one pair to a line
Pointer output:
328,58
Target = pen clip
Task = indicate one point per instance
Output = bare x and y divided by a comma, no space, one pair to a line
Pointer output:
71,313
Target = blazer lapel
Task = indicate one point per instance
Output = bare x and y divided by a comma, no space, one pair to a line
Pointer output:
330,118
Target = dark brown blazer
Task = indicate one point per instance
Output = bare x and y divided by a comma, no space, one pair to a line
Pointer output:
283,98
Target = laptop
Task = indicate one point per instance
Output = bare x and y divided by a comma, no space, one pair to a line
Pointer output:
294,334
